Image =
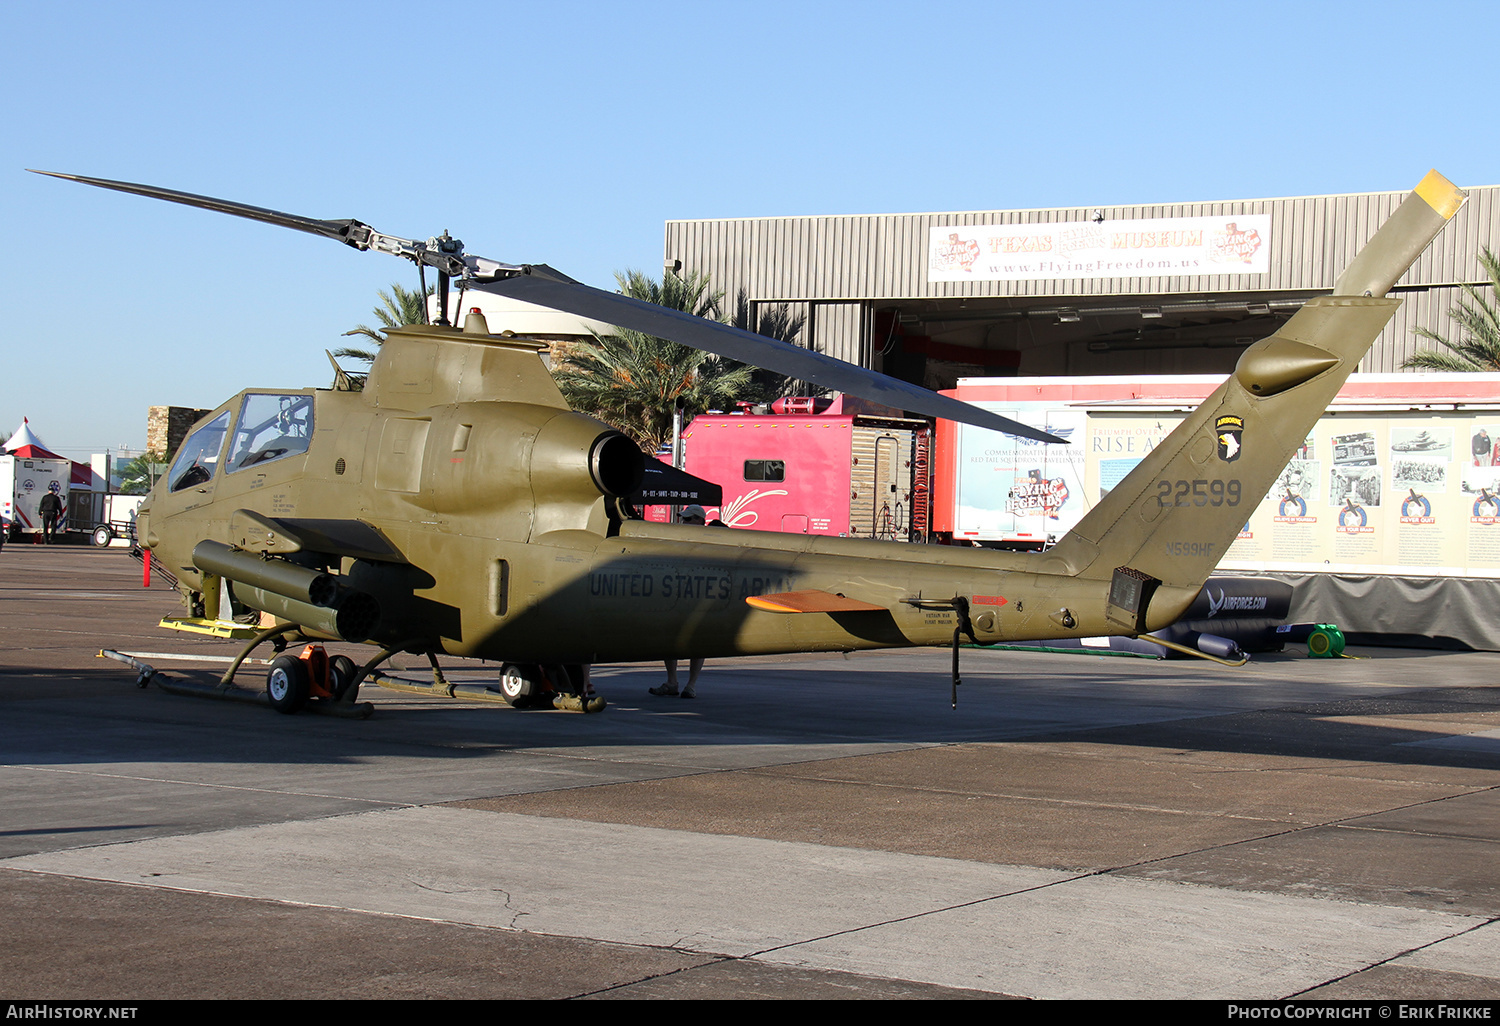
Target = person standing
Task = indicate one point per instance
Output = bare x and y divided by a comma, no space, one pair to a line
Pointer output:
695,515
669,689
50,508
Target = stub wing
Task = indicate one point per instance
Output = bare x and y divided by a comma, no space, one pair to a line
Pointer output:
282,536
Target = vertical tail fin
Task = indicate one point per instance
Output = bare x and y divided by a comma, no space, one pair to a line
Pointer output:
1177,512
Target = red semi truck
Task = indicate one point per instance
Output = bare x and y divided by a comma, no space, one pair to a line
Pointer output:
837,466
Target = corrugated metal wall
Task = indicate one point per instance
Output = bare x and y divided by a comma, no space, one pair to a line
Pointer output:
840,330
825,260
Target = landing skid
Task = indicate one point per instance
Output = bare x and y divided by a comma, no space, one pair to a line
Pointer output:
313,682
147,675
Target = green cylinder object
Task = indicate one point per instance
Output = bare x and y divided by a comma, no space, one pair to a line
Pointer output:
1325,642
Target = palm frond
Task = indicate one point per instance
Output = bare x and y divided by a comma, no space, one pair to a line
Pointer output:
1478,316
350,353
398,308
781,322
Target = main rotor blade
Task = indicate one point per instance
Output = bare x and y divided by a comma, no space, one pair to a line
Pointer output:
546,287
746,347
346,231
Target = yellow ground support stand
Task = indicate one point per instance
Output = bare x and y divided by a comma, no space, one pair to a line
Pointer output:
212,628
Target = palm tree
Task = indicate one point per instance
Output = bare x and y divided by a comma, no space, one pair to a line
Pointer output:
690,295
139,475
634,381
1479,349
398,307
783,324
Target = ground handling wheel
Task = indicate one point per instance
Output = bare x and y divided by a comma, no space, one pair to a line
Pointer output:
341,673
287,684
522,685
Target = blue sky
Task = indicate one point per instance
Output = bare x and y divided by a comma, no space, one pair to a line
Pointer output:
568,132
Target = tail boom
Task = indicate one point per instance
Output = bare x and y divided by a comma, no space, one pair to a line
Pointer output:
1175,515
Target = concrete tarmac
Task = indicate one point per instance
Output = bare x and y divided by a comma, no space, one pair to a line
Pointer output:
811,826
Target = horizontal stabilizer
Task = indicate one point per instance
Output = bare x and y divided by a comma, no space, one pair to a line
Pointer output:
811,602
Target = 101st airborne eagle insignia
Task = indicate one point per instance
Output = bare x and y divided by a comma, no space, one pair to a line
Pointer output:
1229,431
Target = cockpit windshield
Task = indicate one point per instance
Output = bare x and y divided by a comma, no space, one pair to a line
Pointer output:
271,427
199,455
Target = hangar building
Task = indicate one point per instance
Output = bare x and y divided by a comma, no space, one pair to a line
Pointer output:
1152,289
1170,288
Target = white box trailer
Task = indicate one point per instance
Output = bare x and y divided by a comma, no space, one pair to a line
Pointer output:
23,482
117,522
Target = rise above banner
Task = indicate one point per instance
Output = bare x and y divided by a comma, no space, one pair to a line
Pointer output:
1225,244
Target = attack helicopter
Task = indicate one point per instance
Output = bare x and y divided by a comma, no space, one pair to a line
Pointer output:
457,506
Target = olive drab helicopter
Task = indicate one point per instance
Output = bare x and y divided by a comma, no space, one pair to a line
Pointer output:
457,506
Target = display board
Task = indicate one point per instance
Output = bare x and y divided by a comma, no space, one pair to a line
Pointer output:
1388,492
1401,476
1018,489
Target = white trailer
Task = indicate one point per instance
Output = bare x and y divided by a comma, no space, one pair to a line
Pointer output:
118,519
23,482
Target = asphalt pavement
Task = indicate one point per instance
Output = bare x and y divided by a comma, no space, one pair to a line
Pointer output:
811,826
